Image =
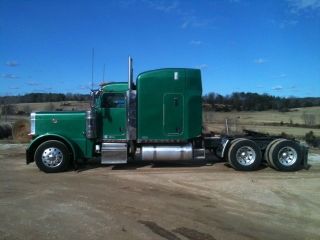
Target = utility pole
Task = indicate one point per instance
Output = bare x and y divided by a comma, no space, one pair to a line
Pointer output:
5,109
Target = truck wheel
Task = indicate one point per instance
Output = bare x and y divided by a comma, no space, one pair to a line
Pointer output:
267,151
285,155
226,157
244,155
52,156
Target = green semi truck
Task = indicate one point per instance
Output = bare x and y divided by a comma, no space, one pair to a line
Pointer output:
157,118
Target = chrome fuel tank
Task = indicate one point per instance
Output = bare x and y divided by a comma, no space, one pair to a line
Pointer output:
167,153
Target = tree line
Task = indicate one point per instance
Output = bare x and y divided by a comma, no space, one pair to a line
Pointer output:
246,101
44,97
240,101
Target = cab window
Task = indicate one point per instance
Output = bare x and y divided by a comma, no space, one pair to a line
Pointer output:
113,100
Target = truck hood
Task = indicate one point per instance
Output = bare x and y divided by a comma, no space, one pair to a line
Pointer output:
68,124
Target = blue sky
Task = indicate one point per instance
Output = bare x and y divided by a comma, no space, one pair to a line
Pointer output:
240,45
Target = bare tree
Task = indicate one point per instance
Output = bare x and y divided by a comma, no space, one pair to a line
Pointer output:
27,109
50,107
309,119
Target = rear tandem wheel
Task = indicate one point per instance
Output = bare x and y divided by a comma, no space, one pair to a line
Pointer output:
267,151
244,155
285,155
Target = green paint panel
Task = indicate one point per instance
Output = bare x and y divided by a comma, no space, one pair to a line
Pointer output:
114,123
173,114
169,104
70,125
113,112
115,87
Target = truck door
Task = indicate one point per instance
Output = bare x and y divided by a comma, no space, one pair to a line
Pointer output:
114,116
173,114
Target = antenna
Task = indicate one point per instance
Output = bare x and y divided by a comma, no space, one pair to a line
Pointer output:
92,69
104,70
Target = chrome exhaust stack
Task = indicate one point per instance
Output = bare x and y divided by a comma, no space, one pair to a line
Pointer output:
130,73
131,104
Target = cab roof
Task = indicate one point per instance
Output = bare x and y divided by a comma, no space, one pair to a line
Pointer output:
115,87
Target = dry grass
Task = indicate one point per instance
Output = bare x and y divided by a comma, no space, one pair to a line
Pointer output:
257,121
52,106
214,121
20,131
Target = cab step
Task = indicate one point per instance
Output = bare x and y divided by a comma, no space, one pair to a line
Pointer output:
199,154
114,153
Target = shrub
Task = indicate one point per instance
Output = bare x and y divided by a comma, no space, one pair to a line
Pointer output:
312,140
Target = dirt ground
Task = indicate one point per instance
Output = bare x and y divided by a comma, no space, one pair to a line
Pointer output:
156,201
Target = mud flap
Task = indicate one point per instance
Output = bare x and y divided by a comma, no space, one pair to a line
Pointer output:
304,151
29,156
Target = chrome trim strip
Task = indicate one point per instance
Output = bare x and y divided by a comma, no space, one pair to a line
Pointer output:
33,123
225,144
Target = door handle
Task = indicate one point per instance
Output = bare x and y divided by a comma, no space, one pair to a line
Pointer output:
175,100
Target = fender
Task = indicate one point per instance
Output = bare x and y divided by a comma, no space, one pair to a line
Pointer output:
42,138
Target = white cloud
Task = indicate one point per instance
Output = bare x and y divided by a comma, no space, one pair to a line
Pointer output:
165,6
202,66
126,3
194,22
9,76
14,87
288,23
12,63
299,5
88,86
32,83
281,75
277,88
161,5
280,88
260,61
196,42
186,16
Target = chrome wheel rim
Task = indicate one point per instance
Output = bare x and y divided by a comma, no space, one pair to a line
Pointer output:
246,155
52,157
287,156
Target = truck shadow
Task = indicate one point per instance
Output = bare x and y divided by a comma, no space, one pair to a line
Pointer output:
136,165
145,164
162,164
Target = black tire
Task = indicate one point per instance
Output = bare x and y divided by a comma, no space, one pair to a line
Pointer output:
251,159
286,155
267,151
225,157
47,151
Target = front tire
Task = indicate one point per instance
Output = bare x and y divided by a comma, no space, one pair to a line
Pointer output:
244,155
52,156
